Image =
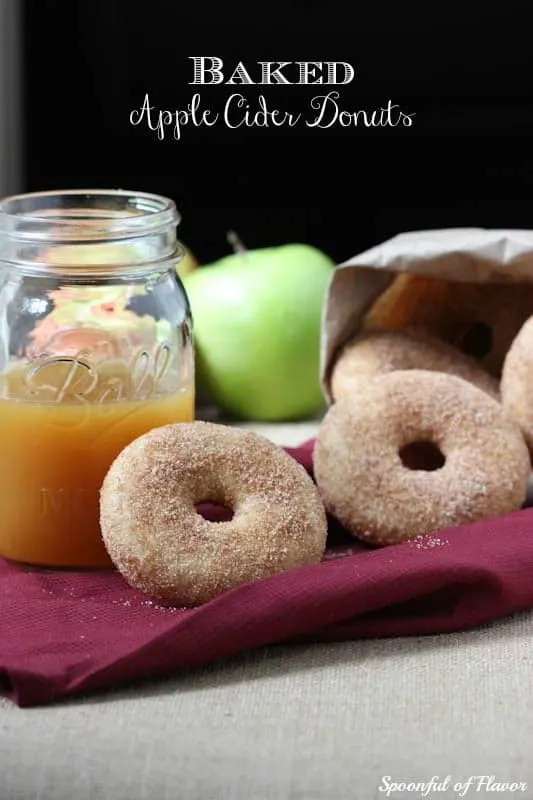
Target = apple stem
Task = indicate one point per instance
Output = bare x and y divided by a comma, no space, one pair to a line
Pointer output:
235,241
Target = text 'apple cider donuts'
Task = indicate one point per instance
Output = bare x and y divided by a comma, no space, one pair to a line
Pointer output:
412,452
378,352
164,547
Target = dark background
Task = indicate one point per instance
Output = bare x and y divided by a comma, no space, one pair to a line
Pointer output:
465,69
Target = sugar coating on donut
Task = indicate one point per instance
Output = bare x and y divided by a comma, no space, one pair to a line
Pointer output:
163,547
517,381
480,319
365,483
379,352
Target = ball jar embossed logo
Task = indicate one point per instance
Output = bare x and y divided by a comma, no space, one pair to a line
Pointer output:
148,370
54,378
78,379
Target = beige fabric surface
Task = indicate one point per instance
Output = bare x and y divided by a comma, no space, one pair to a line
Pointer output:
313,722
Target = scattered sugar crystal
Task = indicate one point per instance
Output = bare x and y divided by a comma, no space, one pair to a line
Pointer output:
428,542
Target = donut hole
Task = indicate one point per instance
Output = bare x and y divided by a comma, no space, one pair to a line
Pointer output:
476,341
213,511
422,455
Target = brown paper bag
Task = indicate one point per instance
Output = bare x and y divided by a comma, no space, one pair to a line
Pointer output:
471,287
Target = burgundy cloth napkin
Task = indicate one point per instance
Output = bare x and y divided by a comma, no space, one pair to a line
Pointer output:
67,632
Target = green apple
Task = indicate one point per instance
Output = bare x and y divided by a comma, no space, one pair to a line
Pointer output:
257,317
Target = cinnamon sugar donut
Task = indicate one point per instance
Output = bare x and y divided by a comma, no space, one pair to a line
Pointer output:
517,381
480,319
414,451
384,351
163,547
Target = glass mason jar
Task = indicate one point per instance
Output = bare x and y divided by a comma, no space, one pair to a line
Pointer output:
95,349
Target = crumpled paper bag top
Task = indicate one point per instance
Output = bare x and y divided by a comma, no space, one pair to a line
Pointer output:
458,260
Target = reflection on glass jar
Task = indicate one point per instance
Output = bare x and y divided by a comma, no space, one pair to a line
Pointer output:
95,350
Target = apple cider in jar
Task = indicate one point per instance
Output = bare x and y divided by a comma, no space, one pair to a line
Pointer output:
95,350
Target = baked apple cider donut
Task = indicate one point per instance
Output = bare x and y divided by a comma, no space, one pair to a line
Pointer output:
415,451
517,381
164,547
480,319
384,351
